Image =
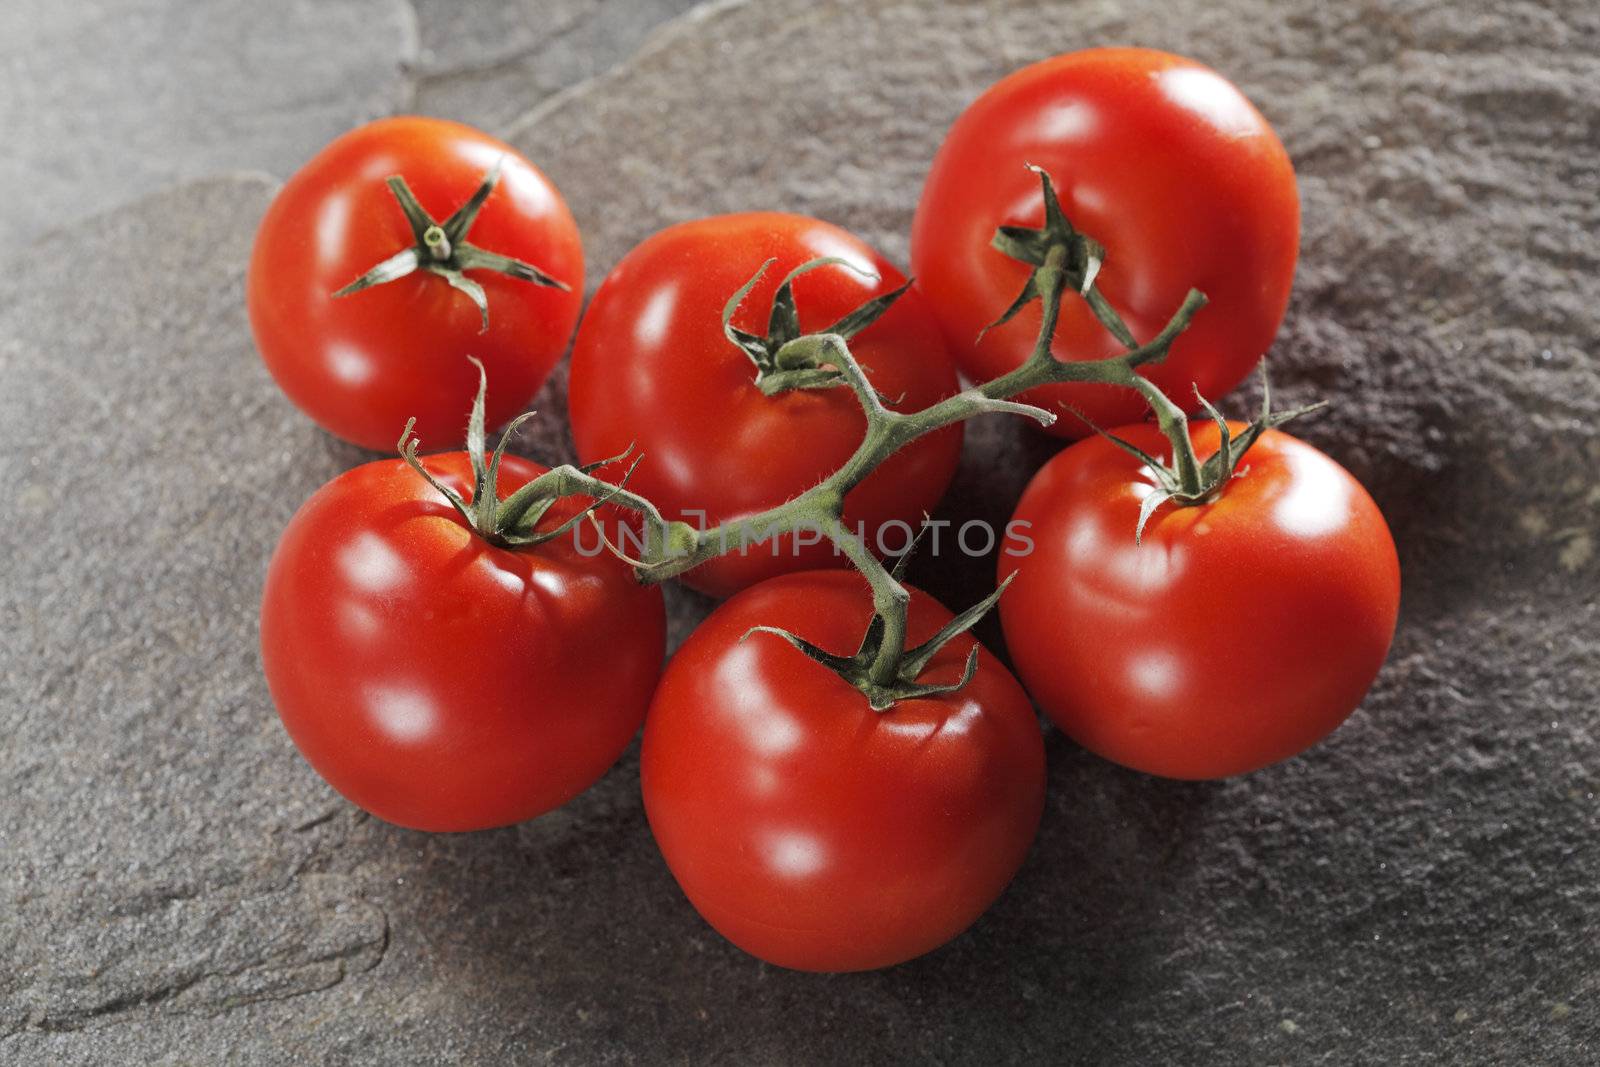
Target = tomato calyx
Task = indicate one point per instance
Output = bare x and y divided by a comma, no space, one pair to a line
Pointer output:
786,358
441,248
859,670
1062,257
1078,257
514,521
1187,481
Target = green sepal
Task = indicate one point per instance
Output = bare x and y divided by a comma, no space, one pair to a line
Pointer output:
783,323
902,562
461,283
906,686
785,358
750,344
484,503
1032,245
396,266
442,248
916,659
841,665
867,313
416,215
1081,259
408,452
525,534
1218,467
471,257
507,523
1030,293
590,468
460,221
919,690
1147,508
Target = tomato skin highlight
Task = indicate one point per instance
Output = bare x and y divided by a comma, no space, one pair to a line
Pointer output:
1239,633
1163,162
361,365
652,368
812,831
440,682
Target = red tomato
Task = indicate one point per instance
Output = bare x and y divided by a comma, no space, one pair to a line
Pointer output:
812,831
1239,633
442,683
361,365
651,367
1162,161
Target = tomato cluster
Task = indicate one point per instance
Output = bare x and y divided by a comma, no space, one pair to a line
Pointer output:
837,774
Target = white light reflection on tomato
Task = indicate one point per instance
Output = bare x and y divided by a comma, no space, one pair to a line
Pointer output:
404,715
370,563
1210,96
767,729
1318,499
793,854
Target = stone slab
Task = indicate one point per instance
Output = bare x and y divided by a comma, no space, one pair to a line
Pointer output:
180,888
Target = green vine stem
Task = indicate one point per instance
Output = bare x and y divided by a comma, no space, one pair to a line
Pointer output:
513,522
883,668
1187,481
1063,260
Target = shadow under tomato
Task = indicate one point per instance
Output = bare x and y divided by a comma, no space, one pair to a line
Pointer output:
984,492
1080,924
576,915
566,905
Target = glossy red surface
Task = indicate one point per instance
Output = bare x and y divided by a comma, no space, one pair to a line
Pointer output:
812,831
1239,633
361,365
1161,160
442,683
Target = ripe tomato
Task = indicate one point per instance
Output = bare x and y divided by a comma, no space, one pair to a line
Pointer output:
652,367
1162,161
442,683
1240,631
812,831
362,364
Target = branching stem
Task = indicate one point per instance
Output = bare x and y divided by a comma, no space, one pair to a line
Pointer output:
889,431
883,668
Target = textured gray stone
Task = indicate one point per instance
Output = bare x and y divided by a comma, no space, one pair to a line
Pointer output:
179,887
104,100
168,90
488,63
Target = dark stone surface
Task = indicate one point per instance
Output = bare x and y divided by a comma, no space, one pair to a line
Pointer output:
102,101
180,888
